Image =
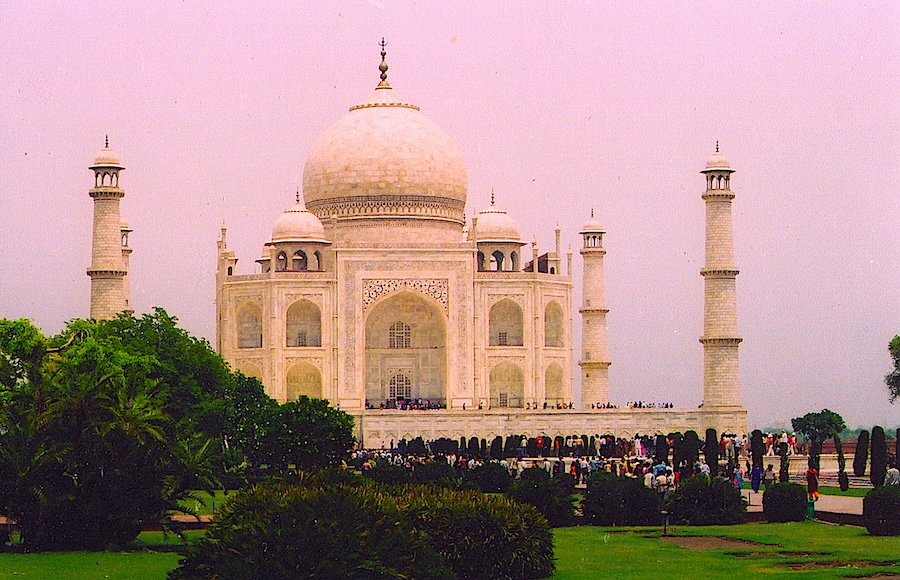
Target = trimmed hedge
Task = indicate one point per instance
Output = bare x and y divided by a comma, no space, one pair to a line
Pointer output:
879,456
881,510
551,496
368,531
707,501
491,477
620,501
785,502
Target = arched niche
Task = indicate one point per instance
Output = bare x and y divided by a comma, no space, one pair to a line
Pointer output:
249,326
505,324
303,379
553,384
507,386
299,262
554,325
303,324
406,334
250,369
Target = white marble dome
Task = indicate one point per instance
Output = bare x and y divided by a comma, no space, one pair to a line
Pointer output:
718,161
592,225
107,158
384,158
298,224
495,225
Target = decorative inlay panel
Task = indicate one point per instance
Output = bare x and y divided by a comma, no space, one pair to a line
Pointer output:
373,289
314,298
315,361
495,360
517,298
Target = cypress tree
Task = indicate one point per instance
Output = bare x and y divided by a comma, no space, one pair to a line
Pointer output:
861,456
757,448
843,480
879,456
711,451
661,451
691,445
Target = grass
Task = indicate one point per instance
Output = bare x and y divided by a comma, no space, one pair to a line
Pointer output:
818,550
852,492
205,504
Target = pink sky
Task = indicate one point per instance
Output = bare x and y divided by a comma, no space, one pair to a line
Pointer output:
559,107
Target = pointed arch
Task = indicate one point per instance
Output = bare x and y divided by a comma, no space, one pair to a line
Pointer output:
506,324
507,385
249,326
553,384
303,379
299,263
554,325
303,324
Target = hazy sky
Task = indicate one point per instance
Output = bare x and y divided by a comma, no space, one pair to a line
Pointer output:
559,107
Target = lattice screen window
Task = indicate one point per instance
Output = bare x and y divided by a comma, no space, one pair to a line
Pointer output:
503,339
398,335
504,400
301,338
400,387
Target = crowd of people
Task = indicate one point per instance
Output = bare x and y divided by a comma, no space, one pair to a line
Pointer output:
648,405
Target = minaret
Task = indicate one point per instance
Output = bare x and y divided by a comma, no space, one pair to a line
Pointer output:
721,372
594,353
109,250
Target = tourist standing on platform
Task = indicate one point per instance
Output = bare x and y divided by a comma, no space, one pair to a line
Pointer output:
768,477
812,483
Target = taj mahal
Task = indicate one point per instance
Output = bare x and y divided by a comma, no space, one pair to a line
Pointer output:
376,293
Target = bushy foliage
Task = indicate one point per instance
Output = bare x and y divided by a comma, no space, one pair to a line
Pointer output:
892,379
551,496
371,531
881,511
861,456
785,502
879,456
388,473
843,480
111,425
707,501
434,473
818,427
691,447
620,501
491,477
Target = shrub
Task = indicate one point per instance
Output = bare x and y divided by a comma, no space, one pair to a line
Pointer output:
615,501
434,473
661,450
862,454
707,501
785,502
879,457
691,447
784,467
551,497
390,473
370,531
266,532
881,510
491,477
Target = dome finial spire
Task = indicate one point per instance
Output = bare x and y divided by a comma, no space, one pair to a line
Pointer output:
298,195
717,145
107,141
492,196
592,212
383,67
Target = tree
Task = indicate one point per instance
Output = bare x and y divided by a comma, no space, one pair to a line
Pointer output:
711,451
843,480
757,448
892,379
879,456
817,427
861,455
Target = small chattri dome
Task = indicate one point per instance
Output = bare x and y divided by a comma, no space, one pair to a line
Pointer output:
107,158
495,225
298,224
718,161
592,225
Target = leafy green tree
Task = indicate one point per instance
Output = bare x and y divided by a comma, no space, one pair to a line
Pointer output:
817,427
892,379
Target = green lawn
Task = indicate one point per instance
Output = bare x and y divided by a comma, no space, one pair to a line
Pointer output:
206,504
852,492
811,550
808,549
